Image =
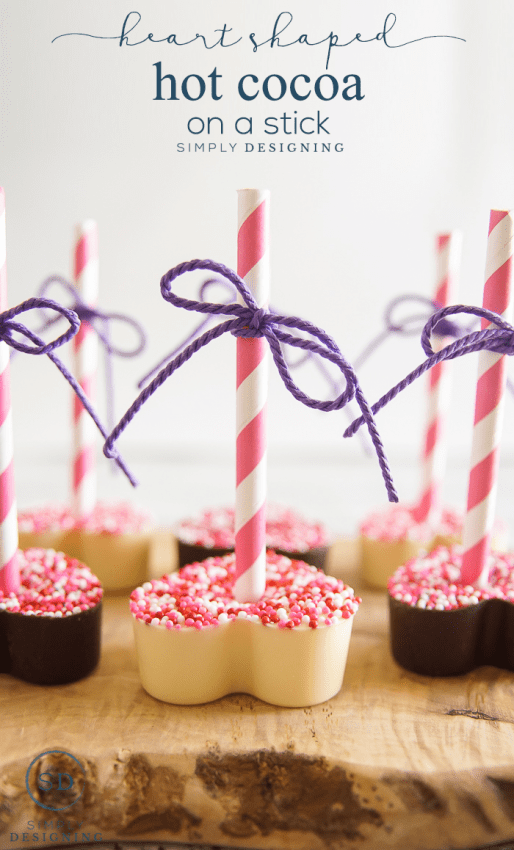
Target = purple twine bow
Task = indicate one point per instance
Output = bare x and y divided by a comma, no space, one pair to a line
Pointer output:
100,322
8,327
499,340
410,325
251,321
303,358
195,332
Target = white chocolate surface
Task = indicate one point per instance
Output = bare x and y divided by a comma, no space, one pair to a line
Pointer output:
294,668
380,558
119,560
114,542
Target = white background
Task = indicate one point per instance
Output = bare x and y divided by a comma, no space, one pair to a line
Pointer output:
428,149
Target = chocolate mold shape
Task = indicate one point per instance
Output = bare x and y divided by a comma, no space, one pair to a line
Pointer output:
62,644
288,649
439,627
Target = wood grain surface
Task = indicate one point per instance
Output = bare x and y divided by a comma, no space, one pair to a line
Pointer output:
395,760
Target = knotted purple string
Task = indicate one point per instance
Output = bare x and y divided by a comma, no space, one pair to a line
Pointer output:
410,325
303,358
251,321
8,327
194,333
100,322
499,340
306,356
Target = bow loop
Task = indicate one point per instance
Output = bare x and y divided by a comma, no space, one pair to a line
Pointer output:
249,320
98,319
497,338
9,326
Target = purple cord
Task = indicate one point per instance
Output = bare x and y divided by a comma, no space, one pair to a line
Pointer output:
194,333
8,327
100,322
303,358
499,340
250,321
410,325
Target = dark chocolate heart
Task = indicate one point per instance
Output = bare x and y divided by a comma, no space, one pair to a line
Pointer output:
52,648
449,643
189,553
439,627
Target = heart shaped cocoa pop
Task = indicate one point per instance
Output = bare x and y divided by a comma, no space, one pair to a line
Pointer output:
195,642
443,627
212,534
50,626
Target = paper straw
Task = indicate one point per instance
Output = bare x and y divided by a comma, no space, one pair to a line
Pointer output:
251,397
490,396
428,509
9,572
85,348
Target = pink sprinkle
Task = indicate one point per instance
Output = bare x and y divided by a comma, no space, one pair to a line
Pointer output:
213,580
433,582
120,518
285,529
41,571
396,522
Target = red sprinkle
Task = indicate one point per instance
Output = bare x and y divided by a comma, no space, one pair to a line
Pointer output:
51,584
433,581
120,518
396,522
285,529
201,594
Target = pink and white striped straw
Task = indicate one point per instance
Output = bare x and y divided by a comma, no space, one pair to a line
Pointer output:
428,509
9,572
85,348
251,398
490,395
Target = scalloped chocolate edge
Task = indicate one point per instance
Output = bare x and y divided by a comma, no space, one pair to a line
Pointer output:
50,650
450,643
189,553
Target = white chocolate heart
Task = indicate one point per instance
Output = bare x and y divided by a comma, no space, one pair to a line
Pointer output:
196,643
114,541
391,537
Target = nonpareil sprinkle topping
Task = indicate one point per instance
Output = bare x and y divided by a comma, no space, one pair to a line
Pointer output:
201,594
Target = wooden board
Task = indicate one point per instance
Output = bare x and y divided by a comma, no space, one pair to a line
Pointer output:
394,761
